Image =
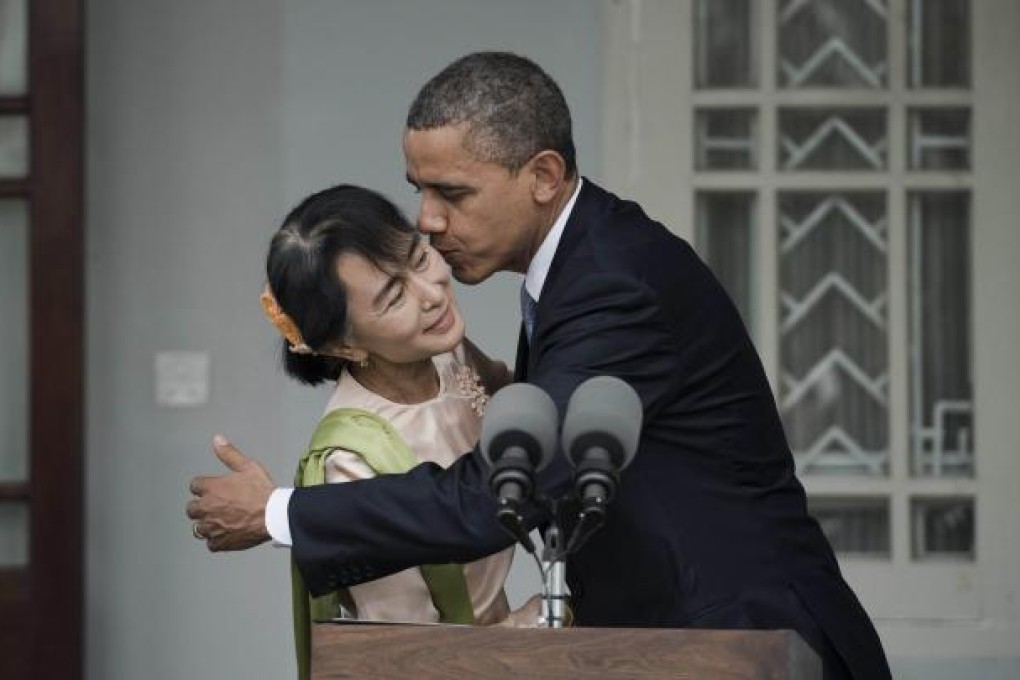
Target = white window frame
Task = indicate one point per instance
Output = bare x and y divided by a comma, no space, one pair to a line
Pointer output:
948,608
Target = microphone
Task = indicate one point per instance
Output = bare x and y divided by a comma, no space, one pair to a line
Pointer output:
518,439
600,436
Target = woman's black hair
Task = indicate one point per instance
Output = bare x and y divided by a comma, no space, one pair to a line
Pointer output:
301,266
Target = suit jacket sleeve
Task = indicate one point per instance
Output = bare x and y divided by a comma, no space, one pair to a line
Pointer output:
598,324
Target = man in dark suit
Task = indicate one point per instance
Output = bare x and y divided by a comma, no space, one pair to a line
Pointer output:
709,528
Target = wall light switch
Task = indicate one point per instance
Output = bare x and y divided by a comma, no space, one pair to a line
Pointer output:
182,378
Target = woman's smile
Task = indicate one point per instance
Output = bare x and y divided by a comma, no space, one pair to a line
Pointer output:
444,322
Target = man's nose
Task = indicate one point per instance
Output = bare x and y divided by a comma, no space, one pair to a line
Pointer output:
431,219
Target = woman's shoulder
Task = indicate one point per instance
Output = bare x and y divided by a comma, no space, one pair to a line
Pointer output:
349,393
366,434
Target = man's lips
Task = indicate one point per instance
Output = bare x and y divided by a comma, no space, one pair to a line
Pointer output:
446,253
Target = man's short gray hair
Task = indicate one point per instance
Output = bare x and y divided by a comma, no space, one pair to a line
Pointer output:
512,108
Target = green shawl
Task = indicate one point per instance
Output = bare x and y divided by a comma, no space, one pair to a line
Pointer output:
382,449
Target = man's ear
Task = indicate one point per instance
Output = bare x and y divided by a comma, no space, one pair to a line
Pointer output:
549,173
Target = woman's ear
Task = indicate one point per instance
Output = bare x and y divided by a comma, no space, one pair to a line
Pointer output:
355,355
549,171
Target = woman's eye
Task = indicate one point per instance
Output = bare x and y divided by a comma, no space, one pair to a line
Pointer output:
396,299
423,260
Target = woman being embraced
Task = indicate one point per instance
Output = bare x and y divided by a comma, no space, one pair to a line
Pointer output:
362,300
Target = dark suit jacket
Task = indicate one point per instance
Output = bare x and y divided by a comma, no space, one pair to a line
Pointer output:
709,527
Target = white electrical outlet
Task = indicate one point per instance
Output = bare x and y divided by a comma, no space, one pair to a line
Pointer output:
182,378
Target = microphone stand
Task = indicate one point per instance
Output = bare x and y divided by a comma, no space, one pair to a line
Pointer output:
552,565
554,556
554,570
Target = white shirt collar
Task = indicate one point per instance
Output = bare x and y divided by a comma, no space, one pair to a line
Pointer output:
539,267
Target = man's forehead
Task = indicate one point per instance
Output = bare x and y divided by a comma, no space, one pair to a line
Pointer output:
440,173
444,141
444,145
438,181
441,162
452,135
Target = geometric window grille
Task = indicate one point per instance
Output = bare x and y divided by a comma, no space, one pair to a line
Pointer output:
830,43
939,139
832,139
942,417
833,330
859,230
793,138
726,139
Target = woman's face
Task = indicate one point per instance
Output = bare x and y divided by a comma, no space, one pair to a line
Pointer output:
401,314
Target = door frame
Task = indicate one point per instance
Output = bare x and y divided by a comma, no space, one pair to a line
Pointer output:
42,604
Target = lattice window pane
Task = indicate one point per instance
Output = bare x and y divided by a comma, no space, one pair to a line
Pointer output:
14,341
833,330
939,43
726,139
724,44
13,535
939,139
942,407
942,528
13,41
13,146
725,239
854,526
832,139
833,43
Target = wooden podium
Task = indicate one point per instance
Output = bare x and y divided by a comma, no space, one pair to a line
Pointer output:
346,650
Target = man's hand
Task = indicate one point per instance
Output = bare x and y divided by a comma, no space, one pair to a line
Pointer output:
229,511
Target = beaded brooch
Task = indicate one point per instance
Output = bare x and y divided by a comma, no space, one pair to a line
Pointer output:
470,387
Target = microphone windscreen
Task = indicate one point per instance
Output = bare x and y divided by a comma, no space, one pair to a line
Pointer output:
603,406
523,408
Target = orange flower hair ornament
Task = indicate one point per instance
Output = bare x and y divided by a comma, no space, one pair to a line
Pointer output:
284,324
